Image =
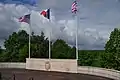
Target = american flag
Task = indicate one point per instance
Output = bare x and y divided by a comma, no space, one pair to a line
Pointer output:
74,7
25,18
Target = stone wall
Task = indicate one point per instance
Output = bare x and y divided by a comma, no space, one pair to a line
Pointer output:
61,65
12,65
114,74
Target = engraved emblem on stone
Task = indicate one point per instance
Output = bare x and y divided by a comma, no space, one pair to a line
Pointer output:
47,65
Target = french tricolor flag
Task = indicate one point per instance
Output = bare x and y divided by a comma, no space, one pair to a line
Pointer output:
46,13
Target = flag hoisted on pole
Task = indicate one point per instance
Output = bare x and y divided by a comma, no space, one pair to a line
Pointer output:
46,13
74,11
26,18
74,7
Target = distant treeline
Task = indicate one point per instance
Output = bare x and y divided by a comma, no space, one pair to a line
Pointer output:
17,50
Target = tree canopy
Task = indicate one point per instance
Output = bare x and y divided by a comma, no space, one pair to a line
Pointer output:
16,50
61,50
112,49
0,49
17,47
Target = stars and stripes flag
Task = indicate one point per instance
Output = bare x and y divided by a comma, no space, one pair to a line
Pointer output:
74,7
25,18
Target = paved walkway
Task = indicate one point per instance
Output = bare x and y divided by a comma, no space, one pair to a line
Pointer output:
22,74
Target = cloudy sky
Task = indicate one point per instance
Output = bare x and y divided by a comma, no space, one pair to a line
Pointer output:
96,19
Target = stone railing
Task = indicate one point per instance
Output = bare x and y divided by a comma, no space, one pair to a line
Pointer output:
12,65
113,74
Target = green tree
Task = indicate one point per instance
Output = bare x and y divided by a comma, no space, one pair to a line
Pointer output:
91,58
23,53
17,46
112,49
39,46
61,50
0,50
73,53
14,43
86,58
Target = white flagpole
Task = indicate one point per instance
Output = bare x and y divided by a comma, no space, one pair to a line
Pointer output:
29,35
50,40
76,38
50,47
76,24
29,38
76,19
74,10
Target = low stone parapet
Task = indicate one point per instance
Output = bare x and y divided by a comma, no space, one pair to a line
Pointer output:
61,65
12,65
113,74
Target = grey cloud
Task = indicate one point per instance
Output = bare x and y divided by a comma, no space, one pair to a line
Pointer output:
7,23
96,20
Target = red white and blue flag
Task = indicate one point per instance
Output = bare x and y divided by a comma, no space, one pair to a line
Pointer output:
46,13
25,18
74,7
